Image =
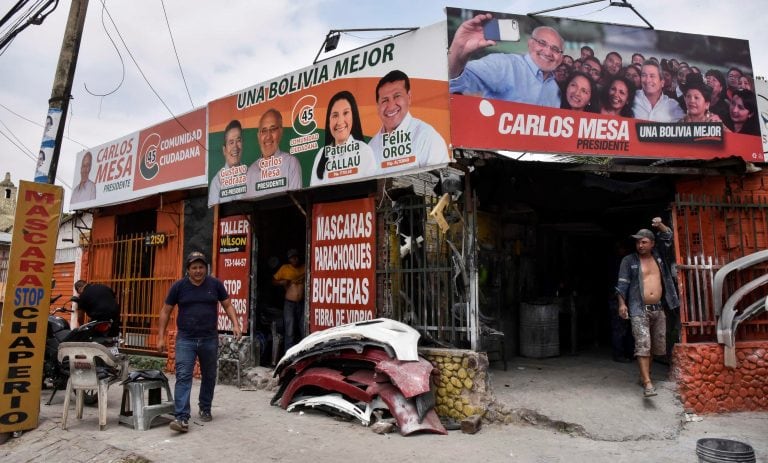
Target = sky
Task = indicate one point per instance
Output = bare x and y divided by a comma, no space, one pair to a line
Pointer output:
223,47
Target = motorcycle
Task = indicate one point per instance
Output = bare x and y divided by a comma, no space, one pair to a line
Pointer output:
55,373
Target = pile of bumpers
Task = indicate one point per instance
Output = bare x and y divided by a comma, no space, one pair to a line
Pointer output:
353,370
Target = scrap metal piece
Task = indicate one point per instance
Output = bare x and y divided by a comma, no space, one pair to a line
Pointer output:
738,264
406,415
412,378
402,338
327,379
335,404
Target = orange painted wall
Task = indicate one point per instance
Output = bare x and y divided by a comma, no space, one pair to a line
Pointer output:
706,385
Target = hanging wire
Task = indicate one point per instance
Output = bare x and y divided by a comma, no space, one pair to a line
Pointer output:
37,123
122,63
122,40
21,147
184,79
25,19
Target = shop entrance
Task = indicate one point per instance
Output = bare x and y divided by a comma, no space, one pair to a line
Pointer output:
139,264
551,237
276,231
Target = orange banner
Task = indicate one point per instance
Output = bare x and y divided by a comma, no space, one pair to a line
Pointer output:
484,124
27,300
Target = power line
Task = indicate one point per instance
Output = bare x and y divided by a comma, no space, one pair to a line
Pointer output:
122,40
27,152
122,64
18,6
38,124
27,19
177,54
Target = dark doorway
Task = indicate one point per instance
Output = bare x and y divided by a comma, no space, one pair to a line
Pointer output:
561,236
276,231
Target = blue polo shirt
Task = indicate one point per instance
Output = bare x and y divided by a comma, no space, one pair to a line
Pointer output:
198,306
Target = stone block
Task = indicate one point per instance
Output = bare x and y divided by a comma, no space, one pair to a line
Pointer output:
471,424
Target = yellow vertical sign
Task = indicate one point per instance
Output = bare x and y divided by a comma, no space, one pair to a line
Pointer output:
27,296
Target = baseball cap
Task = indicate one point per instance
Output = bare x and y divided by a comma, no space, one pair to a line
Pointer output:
196,255
644,233
292,253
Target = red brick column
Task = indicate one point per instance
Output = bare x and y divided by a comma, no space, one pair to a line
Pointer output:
706,385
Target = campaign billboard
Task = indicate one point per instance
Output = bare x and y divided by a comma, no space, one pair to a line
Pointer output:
376,111
165,157
521,83
761,89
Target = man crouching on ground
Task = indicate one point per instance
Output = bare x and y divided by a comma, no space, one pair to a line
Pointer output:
644,289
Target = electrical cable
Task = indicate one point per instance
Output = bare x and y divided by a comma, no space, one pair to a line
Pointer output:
184,79
38,124
14,9
122,40
122,64
37,19
28,153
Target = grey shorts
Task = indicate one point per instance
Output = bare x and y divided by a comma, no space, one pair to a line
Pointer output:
650,332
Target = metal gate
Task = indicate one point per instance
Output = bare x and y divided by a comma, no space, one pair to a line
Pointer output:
714,232
140,268
424,276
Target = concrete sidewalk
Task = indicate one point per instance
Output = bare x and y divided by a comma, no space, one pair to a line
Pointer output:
582,408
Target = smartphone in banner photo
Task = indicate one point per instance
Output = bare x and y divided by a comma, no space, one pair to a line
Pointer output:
502,30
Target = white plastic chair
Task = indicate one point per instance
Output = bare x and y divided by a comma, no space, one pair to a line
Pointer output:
83,375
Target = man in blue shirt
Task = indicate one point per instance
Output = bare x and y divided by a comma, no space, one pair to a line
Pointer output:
525,78
644,289
197,296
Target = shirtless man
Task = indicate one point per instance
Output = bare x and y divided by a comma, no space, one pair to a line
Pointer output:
645,288
291,277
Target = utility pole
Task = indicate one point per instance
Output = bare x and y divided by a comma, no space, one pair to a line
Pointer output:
61,93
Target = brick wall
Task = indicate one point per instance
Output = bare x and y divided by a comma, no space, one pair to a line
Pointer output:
706,385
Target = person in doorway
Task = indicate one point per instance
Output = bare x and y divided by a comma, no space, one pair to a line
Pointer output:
291,277
85,190
229,182
645,288
197,295
622,342
275,171
98,302
403,142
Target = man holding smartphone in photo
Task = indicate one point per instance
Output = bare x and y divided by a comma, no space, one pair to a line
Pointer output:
525,78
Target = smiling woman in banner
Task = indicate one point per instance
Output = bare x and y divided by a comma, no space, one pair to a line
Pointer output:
742,117
698,97
345,155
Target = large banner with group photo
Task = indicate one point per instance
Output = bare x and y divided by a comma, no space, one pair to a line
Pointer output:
376,111
565,86
165,157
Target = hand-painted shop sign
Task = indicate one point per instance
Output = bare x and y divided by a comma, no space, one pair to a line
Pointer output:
27,295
